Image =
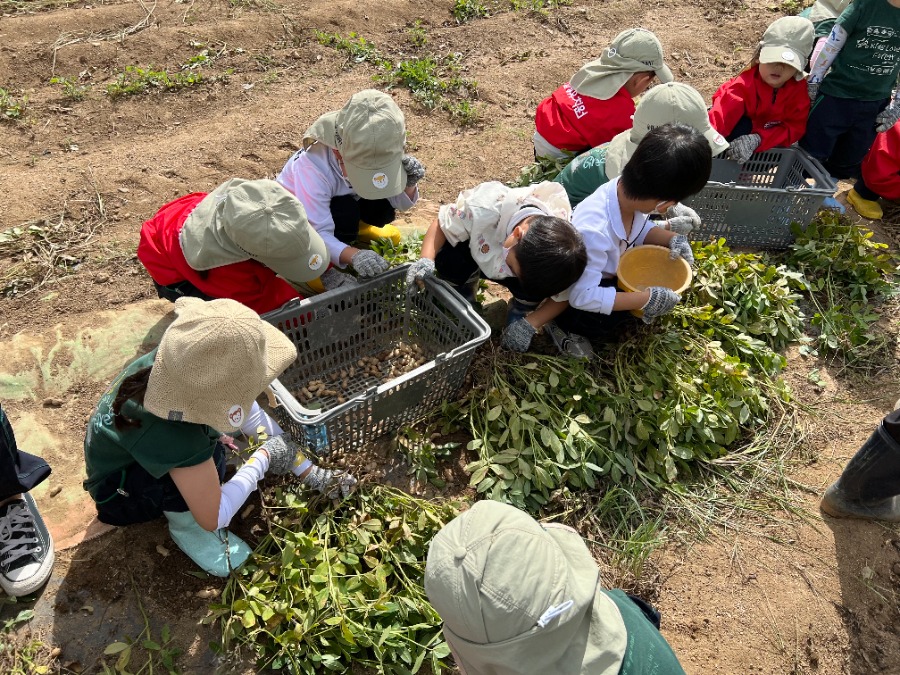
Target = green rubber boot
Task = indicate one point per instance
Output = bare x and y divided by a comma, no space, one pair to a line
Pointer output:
218,553
870,484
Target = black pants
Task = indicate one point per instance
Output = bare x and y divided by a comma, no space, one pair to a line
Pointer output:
19,471
183,289
743,127
840,132
594,325
865,191
347,211
456,266
134,496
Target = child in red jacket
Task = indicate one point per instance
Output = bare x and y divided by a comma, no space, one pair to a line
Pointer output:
766,106
880,175
598,102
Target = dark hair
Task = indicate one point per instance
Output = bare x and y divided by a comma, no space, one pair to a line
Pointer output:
132,388
551,256
671,163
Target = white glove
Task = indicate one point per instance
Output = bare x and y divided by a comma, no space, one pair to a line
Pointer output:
682,219
332,484
368,263
742,147
812,88
680,247
887,117
423,267
334,278
662,301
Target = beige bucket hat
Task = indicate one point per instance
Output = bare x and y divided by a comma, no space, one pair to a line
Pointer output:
213,361
671,103
370,133
635,50
827,9
788,40
254,219
519,598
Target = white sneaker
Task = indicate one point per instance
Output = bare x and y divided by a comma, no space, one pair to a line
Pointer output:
26,548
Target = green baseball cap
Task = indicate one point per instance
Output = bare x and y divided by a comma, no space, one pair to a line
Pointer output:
635,50
520,598
670,103
788,40
370,133
254,219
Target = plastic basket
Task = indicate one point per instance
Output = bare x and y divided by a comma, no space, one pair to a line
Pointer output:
755,204
333,331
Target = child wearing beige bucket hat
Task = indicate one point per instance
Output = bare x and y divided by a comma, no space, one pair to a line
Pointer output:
518,597
598,102
352,176
766,106
247,240
155,443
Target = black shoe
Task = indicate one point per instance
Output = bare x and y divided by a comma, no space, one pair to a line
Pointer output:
26,548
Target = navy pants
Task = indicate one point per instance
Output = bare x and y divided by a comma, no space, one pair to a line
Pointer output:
865,191
840,131
19,471
183,289
594,325
134,496
456,266
347,211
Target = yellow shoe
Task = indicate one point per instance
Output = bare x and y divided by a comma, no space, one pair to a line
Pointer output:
369,233
865,207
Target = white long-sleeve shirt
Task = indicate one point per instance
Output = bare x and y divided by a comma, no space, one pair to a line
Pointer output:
599,220
315,177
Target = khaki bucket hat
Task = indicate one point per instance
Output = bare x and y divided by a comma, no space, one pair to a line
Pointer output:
213,361
519,598
827,9
635,50
788,40
370,133
671,103
254,219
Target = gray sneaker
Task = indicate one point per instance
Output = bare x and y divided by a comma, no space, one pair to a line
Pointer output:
26,548
569,344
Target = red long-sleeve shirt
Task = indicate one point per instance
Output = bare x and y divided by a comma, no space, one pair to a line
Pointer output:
570,121
249,282
778,115
881,167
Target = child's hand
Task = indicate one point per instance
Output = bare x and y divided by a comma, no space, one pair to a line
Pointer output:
415,170
423,267
332,484
334,278
282,453
680,247
887,117
662,301
368,263
812,88
517,336
682,219
743,146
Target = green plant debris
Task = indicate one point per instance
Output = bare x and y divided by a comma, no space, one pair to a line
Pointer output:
72,90
464,11
418,36
12,108
540,7
397,254
21,654
542,169
358,49
136,80
339,587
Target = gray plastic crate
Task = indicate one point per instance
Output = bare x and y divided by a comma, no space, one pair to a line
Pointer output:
755,204
333,331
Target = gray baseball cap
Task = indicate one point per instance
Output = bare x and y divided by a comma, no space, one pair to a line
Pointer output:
521,598
670,103
370,133
635,50
788,40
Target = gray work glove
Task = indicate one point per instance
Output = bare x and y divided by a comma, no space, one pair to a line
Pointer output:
415,170
662,301
887,117
812,88
423,267
682,219
332,484
680,247
517,336
282,453
742,147
368,263
334,278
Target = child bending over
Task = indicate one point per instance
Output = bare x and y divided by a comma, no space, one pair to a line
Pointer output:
766,106
598,102
518,237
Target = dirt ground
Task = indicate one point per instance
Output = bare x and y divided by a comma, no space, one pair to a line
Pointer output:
800,596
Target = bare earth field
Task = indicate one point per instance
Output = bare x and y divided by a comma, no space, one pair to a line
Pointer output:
801,595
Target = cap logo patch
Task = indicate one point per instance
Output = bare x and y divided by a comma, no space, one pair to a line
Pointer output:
315,261
611,52
787,56
719,140
380,180
235,415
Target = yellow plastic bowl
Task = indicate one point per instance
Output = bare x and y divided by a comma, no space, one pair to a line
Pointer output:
644,266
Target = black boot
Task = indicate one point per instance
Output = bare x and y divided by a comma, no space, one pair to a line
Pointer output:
870,484
468,290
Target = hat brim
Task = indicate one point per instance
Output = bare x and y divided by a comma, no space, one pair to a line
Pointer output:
377,183
618,152
304,265
779,54
664,74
